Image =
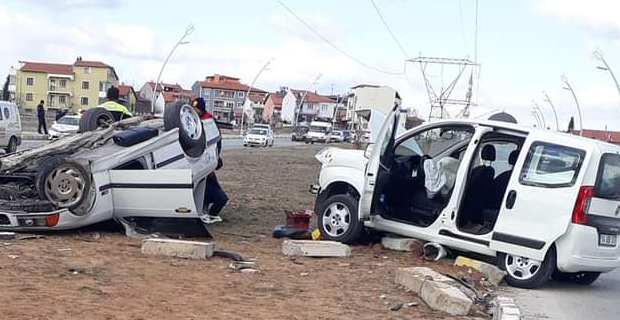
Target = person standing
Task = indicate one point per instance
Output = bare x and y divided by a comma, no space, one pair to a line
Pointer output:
118,111
41,117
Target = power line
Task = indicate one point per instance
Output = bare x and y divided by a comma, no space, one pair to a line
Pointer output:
462,26
476,35
389,30
358,61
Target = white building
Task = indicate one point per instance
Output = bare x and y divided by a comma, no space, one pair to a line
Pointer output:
313,106
365,96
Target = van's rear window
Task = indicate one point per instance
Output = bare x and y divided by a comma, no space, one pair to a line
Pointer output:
608,178
551,166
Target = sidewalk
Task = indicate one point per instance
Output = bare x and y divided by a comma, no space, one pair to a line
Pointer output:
28,135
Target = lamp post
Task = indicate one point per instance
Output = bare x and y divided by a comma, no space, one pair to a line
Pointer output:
247,94
303,97
598,54
568,87
540,113
181,41
535,115
557,123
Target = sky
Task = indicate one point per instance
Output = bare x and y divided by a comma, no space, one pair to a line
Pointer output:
523,47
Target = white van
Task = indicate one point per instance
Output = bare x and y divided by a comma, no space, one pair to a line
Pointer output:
10,127
319,131
545,203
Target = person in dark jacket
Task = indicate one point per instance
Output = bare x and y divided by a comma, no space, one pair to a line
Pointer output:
215,197
41,117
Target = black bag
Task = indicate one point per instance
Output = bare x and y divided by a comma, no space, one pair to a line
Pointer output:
130,137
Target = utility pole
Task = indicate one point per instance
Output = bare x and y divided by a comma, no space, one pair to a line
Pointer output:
557,123
303,97
598,54
568,87
247,95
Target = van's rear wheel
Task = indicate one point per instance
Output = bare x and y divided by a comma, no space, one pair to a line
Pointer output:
12,147
337,218
582,278
527,273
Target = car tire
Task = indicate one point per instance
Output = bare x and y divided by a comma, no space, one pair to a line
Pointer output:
191,131
527,273
12,147
65,183
337,219
582,278
95,118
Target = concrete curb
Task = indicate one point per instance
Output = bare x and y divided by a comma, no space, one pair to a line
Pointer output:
505,308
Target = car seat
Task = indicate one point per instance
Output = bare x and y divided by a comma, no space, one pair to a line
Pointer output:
500,184
480,185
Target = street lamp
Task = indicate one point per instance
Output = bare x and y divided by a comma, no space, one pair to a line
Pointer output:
181,41
247,94
598,54
540,113
303,97
535,115
569,88
557,123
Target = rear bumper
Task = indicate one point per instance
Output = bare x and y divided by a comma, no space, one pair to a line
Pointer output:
578,250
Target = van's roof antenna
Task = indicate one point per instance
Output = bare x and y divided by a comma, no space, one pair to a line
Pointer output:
190,28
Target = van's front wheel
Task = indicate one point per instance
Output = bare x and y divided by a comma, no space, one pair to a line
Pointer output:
527,273
337,219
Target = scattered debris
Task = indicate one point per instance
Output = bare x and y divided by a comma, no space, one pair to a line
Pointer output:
309,248
411,304
177,248
492,273
401,244
434,251
7,235
504,308
240,265
465,282
383,296
75,271
64,249
31,236
344,264
228,255
292,233
13,256
397,306
303,274
297,225
91,237
250,271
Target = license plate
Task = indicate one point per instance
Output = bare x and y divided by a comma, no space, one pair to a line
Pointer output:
607,240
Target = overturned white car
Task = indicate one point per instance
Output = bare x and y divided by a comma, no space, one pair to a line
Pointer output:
141,167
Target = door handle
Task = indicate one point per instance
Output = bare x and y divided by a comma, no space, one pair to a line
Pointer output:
510,199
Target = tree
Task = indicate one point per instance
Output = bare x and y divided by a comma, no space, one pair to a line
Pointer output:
5,89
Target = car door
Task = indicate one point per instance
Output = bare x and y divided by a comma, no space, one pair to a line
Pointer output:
152,193
4,130
382,146
540,197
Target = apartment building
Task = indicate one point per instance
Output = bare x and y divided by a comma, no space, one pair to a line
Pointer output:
170,92
306,106
224,95
80,85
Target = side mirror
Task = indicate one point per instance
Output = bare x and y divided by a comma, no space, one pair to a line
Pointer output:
368,150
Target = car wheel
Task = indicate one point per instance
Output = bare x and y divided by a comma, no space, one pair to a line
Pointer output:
271,145
12,147
582,278
191,132
527,273
337,218
95,118
65,183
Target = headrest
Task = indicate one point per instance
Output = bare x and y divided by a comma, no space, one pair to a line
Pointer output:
512,158
488,153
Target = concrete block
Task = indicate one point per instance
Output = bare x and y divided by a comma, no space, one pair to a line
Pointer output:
7,235
309,248
445,297
177,248
401,244
504,308
413,278
492,273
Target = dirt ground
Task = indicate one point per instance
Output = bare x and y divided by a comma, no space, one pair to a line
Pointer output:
73,275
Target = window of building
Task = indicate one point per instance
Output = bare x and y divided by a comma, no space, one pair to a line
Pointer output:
62,99
86,70
85,85
239,104
230,104
206,92
29,97
62,83
240,94
84,101
30,81
101,86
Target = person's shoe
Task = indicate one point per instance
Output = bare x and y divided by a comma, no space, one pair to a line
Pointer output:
209,219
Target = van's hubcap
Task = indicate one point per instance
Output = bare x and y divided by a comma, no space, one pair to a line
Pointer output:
336,219
521,268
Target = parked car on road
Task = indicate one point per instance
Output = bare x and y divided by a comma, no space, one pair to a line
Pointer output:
349,136
133,171
336,136
258,137
64,126
10,127
319,131
299,133
544,203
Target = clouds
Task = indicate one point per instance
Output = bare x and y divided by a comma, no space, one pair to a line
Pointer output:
597,16
76,4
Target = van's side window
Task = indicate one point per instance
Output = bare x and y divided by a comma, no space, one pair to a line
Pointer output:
7,113
551,166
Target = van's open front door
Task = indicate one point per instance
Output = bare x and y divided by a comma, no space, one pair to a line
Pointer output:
383,146
152,193
540,197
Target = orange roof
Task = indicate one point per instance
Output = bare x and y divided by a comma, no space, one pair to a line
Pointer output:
256,97
124,90
312,97
607,136
53,68
275,98
229,85
87,63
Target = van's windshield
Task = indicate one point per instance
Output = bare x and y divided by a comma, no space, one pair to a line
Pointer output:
608,178
318,129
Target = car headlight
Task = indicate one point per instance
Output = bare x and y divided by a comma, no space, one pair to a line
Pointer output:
325,155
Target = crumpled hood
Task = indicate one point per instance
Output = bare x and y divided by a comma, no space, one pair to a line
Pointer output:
332,156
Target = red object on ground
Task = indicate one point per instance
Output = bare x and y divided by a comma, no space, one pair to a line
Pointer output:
298,219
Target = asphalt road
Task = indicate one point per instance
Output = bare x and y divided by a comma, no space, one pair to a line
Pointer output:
564,301
227,144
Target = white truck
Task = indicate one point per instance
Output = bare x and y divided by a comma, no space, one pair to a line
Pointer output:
319,131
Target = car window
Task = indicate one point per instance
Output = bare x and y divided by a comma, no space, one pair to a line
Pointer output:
502,153
608,178
552,166
7,112
69,121
318,129
434,141
1,113
258,131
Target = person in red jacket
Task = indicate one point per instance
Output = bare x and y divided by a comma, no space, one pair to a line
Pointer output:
215,197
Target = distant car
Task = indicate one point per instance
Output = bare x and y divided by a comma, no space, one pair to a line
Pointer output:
299,133
258,137
64,126
261,126
10,127
336,136
348,135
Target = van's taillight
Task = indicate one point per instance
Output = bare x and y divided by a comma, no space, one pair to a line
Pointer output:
580,212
